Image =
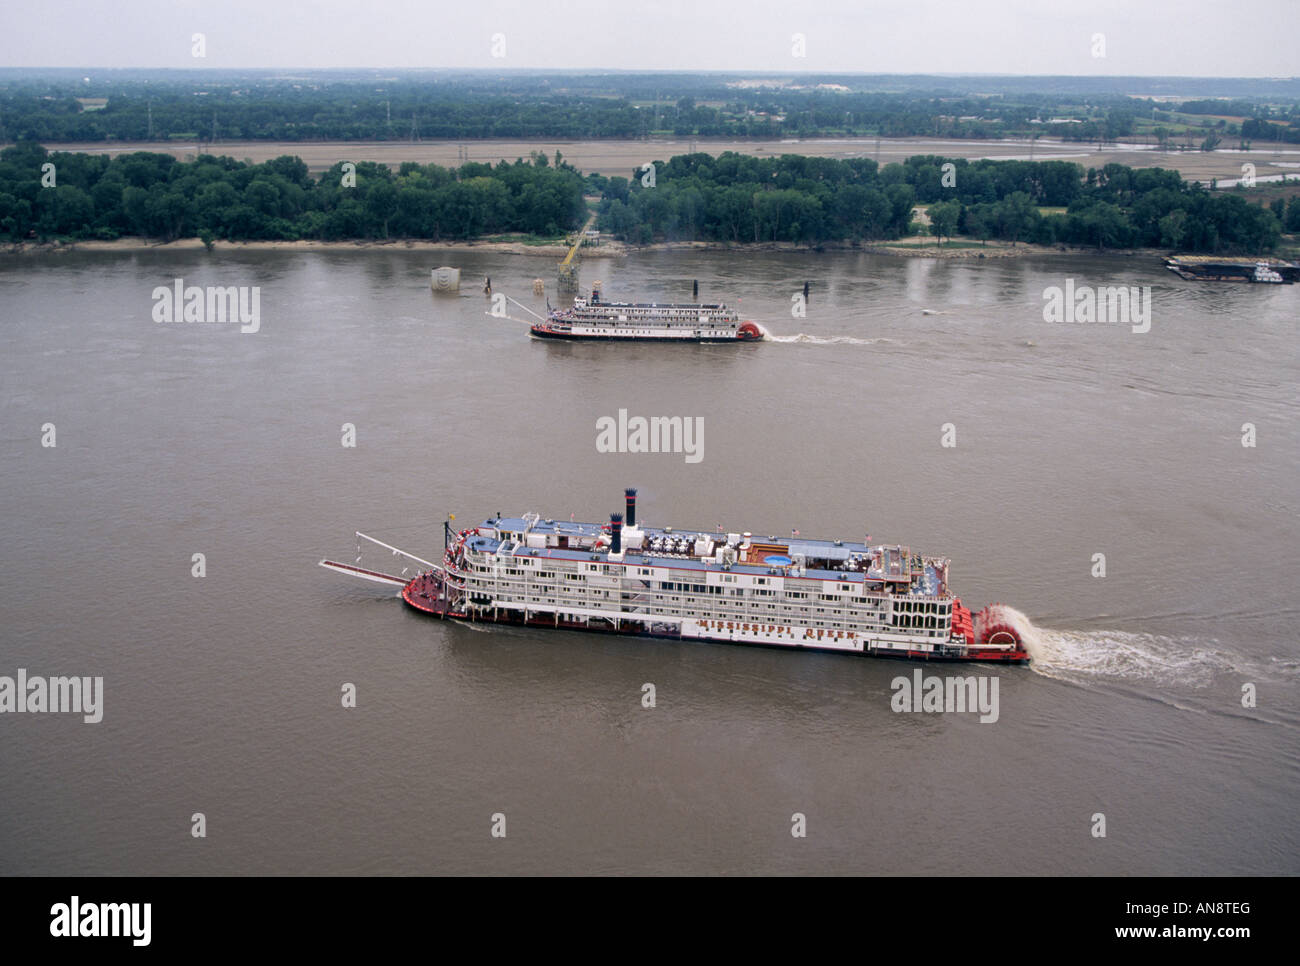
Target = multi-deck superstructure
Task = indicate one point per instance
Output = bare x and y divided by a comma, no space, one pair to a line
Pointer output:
594,318
626,578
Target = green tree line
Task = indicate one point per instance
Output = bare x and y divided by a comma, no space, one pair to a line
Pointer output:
793,198
730,198
156,196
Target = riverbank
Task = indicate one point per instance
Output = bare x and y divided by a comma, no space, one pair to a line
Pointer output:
914,247
917,246
136,244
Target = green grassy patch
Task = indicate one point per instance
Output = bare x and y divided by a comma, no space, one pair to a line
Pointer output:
518,239
946,244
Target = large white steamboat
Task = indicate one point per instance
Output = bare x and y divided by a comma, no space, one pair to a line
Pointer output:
626,578
592,318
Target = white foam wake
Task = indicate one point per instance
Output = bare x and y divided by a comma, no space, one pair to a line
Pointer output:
1122,655
806,339
1127,655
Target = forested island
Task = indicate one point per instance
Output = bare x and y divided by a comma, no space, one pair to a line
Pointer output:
731,198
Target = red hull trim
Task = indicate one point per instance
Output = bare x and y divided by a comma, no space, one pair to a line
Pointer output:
539,333
435,607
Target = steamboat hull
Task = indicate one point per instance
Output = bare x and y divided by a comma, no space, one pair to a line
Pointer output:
540,333
594,320
629,578
426,595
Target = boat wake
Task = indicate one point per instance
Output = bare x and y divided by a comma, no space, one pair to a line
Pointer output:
806,339
1122,655
1117,656
471,626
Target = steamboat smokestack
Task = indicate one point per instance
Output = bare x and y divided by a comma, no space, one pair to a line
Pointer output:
616,533
630,493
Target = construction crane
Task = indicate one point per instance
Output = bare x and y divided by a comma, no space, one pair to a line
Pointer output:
568,280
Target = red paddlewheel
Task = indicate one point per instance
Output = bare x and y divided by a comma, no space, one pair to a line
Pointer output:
1000,634
994,625
748,331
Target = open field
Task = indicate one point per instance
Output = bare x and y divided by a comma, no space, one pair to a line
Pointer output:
623,157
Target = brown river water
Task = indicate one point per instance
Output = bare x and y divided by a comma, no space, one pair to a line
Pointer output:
221,693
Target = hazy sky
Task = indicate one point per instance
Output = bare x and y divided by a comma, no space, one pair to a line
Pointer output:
1256,38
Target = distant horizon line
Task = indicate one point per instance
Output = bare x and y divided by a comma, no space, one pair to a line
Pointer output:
574,71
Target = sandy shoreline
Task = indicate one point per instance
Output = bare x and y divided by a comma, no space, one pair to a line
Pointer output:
136,244
609,249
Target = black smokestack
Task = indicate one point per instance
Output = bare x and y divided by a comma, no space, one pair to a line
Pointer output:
615,533
630,492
